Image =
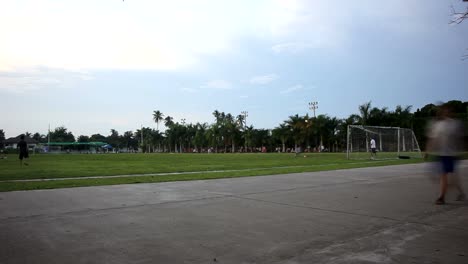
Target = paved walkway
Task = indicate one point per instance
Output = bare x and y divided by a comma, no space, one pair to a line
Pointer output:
369,215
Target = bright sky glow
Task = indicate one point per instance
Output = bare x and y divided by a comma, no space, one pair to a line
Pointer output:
99,65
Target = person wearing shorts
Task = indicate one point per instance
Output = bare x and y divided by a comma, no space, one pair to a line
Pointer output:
444,141
23,151
373,147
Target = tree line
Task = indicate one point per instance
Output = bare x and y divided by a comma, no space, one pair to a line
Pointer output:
229,133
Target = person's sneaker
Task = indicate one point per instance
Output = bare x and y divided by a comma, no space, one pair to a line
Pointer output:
461,197
440,201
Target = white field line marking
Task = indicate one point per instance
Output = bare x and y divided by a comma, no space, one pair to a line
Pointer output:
188,172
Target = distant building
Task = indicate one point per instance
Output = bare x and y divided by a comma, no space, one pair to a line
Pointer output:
12,143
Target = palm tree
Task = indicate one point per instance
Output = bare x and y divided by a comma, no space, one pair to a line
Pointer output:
249,133
217,115
282,133
320,128
403,116
199,139
241,121
241,124
2,137
232,131
127,139
157,117
156,138
364,110
298,129
113,138
168,121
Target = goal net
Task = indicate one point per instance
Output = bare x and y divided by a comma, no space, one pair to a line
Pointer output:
390,142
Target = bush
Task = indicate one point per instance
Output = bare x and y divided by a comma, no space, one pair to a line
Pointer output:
11,151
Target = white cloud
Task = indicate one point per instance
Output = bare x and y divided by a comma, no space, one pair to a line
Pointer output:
218,84
263,79
292,47
175,35
189,90
32,79
297,26
146,34
291,89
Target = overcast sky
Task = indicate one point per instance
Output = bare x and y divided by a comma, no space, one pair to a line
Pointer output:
93,66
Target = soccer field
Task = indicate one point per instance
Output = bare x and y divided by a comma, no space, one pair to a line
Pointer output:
73,170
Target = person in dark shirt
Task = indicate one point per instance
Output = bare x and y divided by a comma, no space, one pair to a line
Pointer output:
23,151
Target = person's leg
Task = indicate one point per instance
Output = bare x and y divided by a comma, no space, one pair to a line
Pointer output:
457,182
26,157
447,167
443,189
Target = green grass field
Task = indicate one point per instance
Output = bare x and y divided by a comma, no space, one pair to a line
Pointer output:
139,168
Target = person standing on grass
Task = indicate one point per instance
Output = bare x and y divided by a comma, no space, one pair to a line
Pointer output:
444,142
373,148
23,151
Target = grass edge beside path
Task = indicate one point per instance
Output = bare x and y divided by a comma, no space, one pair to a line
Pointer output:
7,186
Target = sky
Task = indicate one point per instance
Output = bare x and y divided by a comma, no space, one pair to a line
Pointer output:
93,66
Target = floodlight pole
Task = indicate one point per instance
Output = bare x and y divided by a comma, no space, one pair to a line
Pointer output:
313,106
398,144
245,114
141,138
347,142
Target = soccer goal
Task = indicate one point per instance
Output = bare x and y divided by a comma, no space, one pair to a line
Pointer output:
391,142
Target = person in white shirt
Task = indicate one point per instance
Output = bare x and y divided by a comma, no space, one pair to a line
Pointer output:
373,148
444,142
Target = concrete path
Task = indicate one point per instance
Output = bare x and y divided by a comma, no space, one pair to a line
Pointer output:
370,215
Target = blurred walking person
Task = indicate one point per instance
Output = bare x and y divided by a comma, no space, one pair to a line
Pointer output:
444,142
23,151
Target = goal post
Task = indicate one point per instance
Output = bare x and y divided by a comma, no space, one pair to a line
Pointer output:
391,142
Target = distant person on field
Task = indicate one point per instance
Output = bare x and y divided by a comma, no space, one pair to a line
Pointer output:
444,142
297,151
373,148
23,151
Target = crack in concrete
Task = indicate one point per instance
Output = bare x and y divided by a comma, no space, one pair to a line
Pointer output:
358,214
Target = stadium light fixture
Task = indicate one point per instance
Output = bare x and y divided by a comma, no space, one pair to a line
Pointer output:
313,106
245,114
